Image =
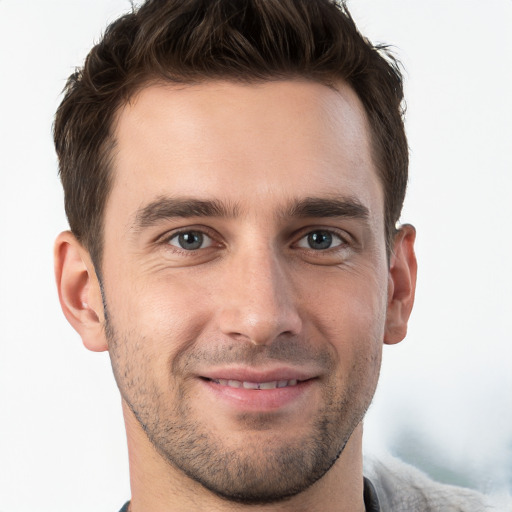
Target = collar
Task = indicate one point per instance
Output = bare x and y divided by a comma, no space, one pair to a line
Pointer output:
371,500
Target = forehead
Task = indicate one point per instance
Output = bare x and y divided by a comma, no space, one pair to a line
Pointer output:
249,144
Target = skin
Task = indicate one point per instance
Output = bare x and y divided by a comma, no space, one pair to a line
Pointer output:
285,277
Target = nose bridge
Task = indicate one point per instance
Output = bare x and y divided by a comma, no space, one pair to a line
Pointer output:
259,303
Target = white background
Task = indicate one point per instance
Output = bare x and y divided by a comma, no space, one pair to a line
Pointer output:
445,399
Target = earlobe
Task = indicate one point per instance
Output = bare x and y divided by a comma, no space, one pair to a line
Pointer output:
79,291
402,285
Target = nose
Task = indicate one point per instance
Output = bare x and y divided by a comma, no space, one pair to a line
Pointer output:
258,300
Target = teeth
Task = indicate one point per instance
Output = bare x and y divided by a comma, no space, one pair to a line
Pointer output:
256,385
268,385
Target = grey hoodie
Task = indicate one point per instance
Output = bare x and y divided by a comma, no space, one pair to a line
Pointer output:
404,488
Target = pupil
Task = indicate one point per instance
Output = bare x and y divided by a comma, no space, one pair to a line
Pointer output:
191,240
320,240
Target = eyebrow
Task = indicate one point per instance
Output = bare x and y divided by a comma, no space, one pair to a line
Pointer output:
329,207
164,208
169,207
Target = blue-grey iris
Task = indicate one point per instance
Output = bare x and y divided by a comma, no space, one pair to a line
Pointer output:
191,240
320,240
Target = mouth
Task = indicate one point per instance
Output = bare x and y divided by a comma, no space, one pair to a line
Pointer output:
239,384
247,390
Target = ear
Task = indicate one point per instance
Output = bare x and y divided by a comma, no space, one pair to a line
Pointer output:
402,285
79,291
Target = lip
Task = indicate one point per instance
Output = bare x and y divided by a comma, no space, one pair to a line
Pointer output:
256,375
243,399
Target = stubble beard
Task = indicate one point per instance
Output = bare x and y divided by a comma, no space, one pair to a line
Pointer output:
265,468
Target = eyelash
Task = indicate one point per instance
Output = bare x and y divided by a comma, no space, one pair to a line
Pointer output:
166,239
343,237
333,234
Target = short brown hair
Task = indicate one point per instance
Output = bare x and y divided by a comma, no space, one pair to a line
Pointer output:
189,41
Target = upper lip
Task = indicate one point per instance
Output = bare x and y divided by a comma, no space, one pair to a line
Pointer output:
256,375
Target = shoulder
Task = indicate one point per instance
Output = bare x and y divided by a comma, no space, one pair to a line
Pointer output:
404,488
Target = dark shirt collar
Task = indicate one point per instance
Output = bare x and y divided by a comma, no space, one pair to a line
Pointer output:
371,500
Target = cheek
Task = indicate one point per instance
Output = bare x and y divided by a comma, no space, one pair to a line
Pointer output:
349,317
152,324
348,307
166,314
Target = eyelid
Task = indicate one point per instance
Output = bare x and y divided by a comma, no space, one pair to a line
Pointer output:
206,239
303,242
204,230
343,236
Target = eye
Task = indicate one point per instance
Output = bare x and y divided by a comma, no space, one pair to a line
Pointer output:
190,240
320,240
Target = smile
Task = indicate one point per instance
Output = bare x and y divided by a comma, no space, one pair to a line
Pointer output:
256,385
258,394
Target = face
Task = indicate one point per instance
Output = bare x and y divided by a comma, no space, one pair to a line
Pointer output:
246,279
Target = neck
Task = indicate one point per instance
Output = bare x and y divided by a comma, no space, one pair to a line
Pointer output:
158,486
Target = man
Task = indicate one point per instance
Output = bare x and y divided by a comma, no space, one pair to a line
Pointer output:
234,172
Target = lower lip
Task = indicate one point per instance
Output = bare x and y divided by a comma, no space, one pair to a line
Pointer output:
259,399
